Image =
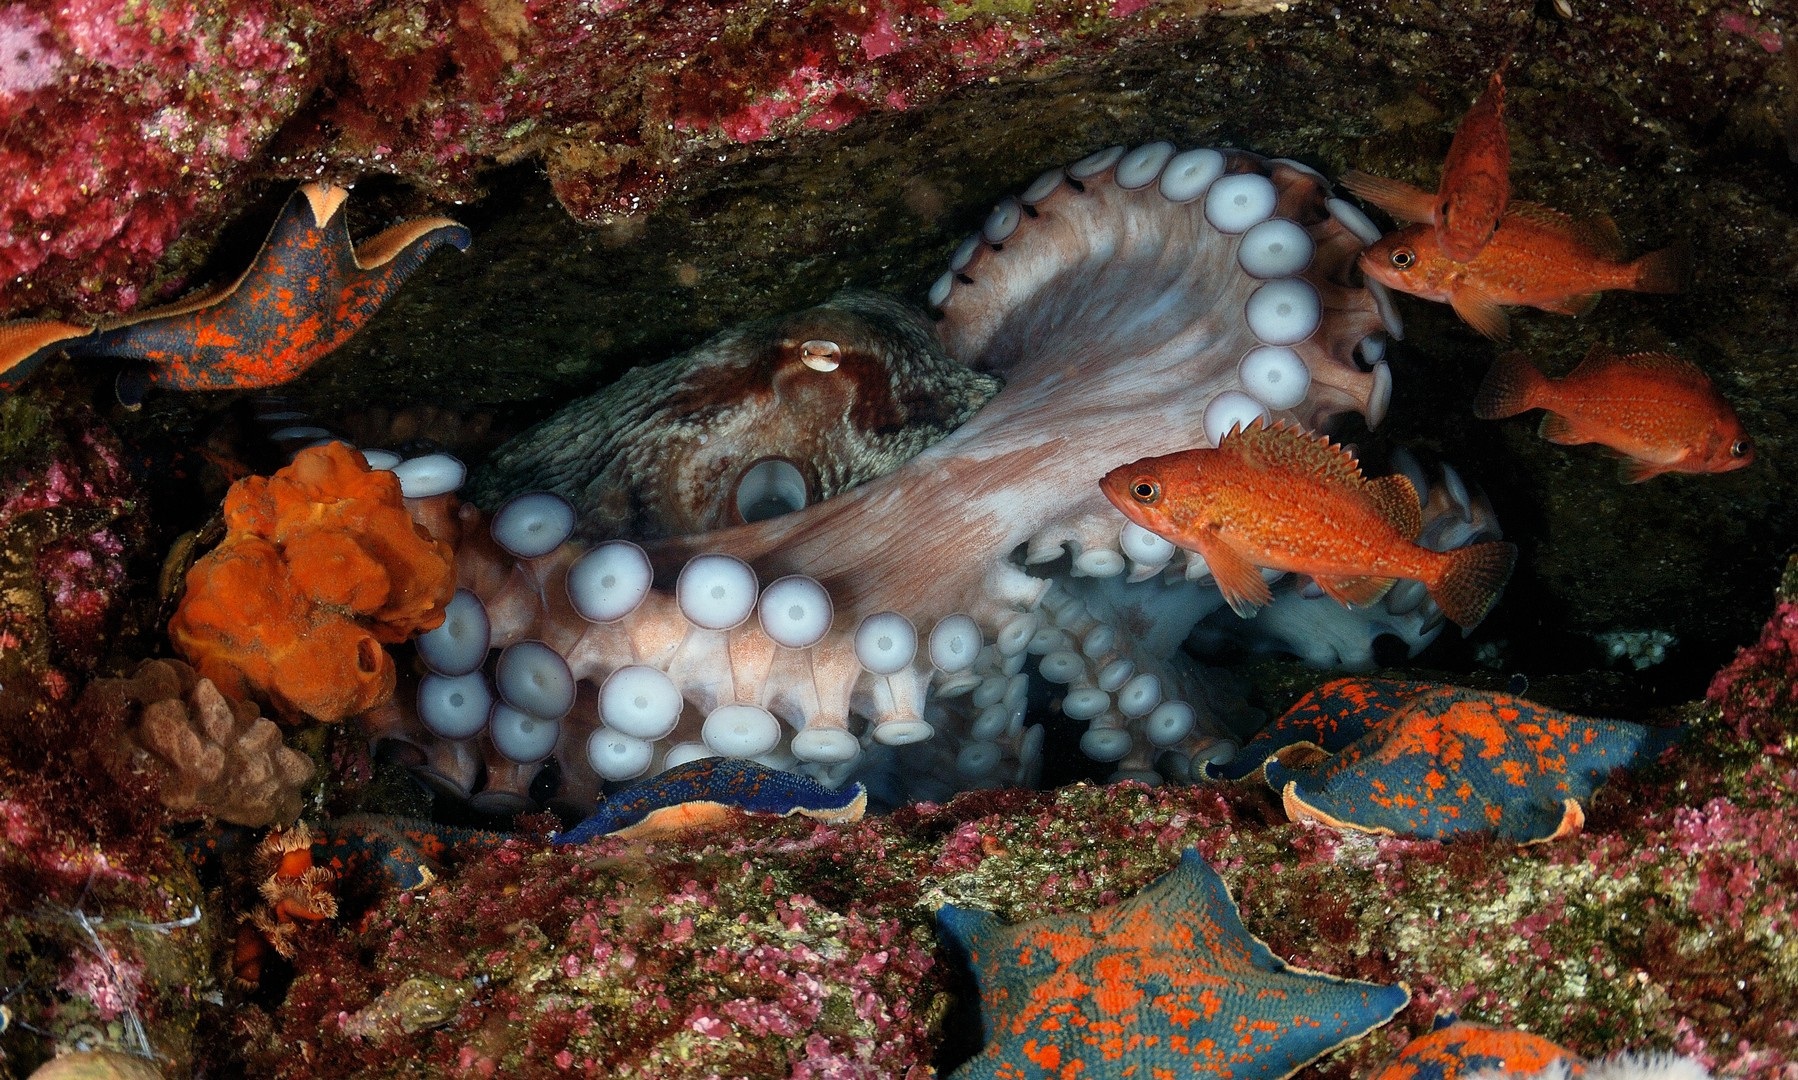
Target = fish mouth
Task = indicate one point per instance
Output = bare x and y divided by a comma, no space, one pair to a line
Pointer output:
769,487
1116,490
1369,267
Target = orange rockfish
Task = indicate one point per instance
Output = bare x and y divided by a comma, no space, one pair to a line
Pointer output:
1475,185
1286,499
1537,258
1660,412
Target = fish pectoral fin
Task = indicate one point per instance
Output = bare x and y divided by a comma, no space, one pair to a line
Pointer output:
1359,591
1480,311
1573,305
1633,471
1398,504
1560,429
1239,579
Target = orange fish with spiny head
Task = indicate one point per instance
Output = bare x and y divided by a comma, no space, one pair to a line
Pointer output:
1475,188
1659,412
1537,258
1286,499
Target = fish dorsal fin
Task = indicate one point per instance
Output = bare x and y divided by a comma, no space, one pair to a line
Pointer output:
1598,358
1599,233
1289,448
1601,359
1398,504
1546,217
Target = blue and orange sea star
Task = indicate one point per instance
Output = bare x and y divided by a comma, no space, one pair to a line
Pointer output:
1167,983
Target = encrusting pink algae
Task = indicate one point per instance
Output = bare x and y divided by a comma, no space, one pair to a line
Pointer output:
786,948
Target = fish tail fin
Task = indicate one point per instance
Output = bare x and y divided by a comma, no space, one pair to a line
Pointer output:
1509,388
1668,270
1472,580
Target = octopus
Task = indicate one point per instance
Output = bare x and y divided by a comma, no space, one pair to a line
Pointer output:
942,526
763,419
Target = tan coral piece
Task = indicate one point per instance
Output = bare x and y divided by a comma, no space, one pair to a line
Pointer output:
97,1065
209,755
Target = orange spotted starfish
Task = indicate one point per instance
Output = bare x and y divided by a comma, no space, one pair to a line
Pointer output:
1454,762
1167,983
1457,1048
307,291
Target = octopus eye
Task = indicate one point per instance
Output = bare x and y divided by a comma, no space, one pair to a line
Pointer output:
1403,258
1740,448
1146,491
821,355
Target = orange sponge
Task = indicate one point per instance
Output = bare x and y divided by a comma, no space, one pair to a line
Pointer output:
319,567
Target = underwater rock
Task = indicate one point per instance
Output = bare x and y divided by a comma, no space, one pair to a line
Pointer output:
1758,690
97,1065
106,169
72,521
104,944
788,947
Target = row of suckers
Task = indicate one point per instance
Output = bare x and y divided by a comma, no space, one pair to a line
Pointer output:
1280,498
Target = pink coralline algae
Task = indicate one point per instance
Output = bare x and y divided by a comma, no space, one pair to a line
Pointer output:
26,64
583,962
66,508
121,120
793,948
1761,683
129,124
101,935
1765,35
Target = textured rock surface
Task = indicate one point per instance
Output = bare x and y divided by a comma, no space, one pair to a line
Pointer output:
103,943
129,125
790,948
75,533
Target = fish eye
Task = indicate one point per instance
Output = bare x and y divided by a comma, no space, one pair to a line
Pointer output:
1145,491
1403,258
1740,448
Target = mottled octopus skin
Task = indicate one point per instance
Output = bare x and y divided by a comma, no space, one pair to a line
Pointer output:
658,453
